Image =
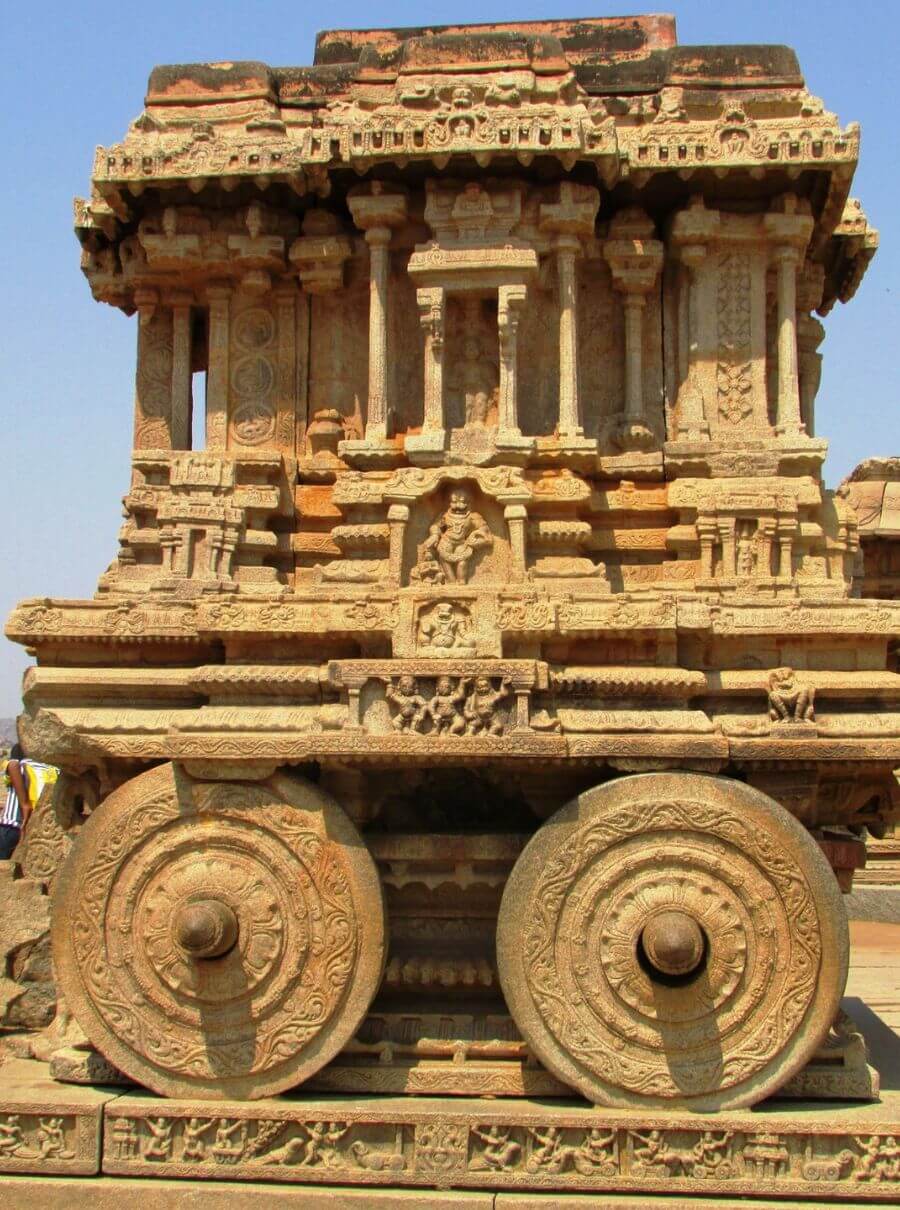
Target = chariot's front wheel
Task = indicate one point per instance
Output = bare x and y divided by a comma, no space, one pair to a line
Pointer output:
673,940
218,939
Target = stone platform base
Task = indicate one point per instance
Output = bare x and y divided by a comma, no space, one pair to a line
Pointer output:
112,1193
840,1152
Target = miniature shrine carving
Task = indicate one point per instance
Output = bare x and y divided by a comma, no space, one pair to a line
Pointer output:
488,699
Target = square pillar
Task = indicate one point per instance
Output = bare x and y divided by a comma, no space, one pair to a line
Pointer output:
429,444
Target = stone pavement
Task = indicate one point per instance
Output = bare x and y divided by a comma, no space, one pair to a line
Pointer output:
873,988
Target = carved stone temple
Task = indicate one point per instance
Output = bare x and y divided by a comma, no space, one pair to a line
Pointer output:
487,701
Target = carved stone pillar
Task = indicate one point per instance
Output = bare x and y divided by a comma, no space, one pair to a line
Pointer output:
692,231
376,212
286,382
430,442
789,229
378,239
153,379
786,533
510,304
181,370
691,422
219,297
788,422
635,259
765,534
810,334
398,517
570,426
708,532
516,515
728,538
570,217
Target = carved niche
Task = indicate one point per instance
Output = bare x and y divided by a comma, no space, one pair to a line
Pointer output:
456,537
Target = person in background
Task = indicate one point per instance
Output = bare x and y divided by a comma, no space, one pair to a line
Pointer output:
24,781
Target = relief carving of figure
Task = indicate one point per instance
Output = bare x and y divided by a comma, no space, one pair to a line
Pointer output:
789,701
478,382
453,541
193,1146
499,1150
444,707
410,705
159,1145
51,1140
746,552
480,710
315,1146
444,629
230,1141
880,1159
10,1135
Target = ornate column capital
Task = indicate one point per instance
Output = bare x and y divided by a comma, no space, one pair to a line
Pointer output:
320,253
377,208
571,211
632,253
693,227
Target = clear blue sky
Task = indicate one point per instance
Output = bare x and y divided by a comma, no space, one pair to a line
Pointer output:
74,76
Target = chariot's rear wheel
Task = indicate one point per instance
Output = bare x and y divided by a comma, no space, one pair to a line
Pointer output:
218,939
673,940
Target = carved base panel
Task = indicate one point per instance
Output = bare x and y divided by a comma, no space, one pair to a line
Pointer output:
47,1127
850,1153
550,1147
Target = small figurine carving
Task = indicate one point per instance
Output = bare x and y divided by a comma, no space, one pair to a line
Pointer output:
193,1145
880,1159
11,1140
478,383
453,540
230,1141
789,701
411,706
51,1140
444,629
159,1145
480,710
747,555
444,707
499,1150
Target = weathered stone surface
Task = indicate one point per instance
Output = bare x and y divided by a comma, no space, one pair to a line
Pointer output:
45,1127
215,938
671,939
27,993
559,1146
509,487
69,1065
111,1193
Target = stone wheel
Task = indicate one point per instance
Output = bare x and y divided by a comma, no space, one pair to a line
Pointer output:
218,939
673,940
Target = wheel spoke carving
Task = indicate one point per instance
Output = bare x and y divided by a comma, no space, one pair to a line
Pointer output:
219,939
673,939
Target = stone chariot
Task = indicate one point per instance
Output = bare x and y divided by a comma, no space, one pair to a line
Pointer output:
482,701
